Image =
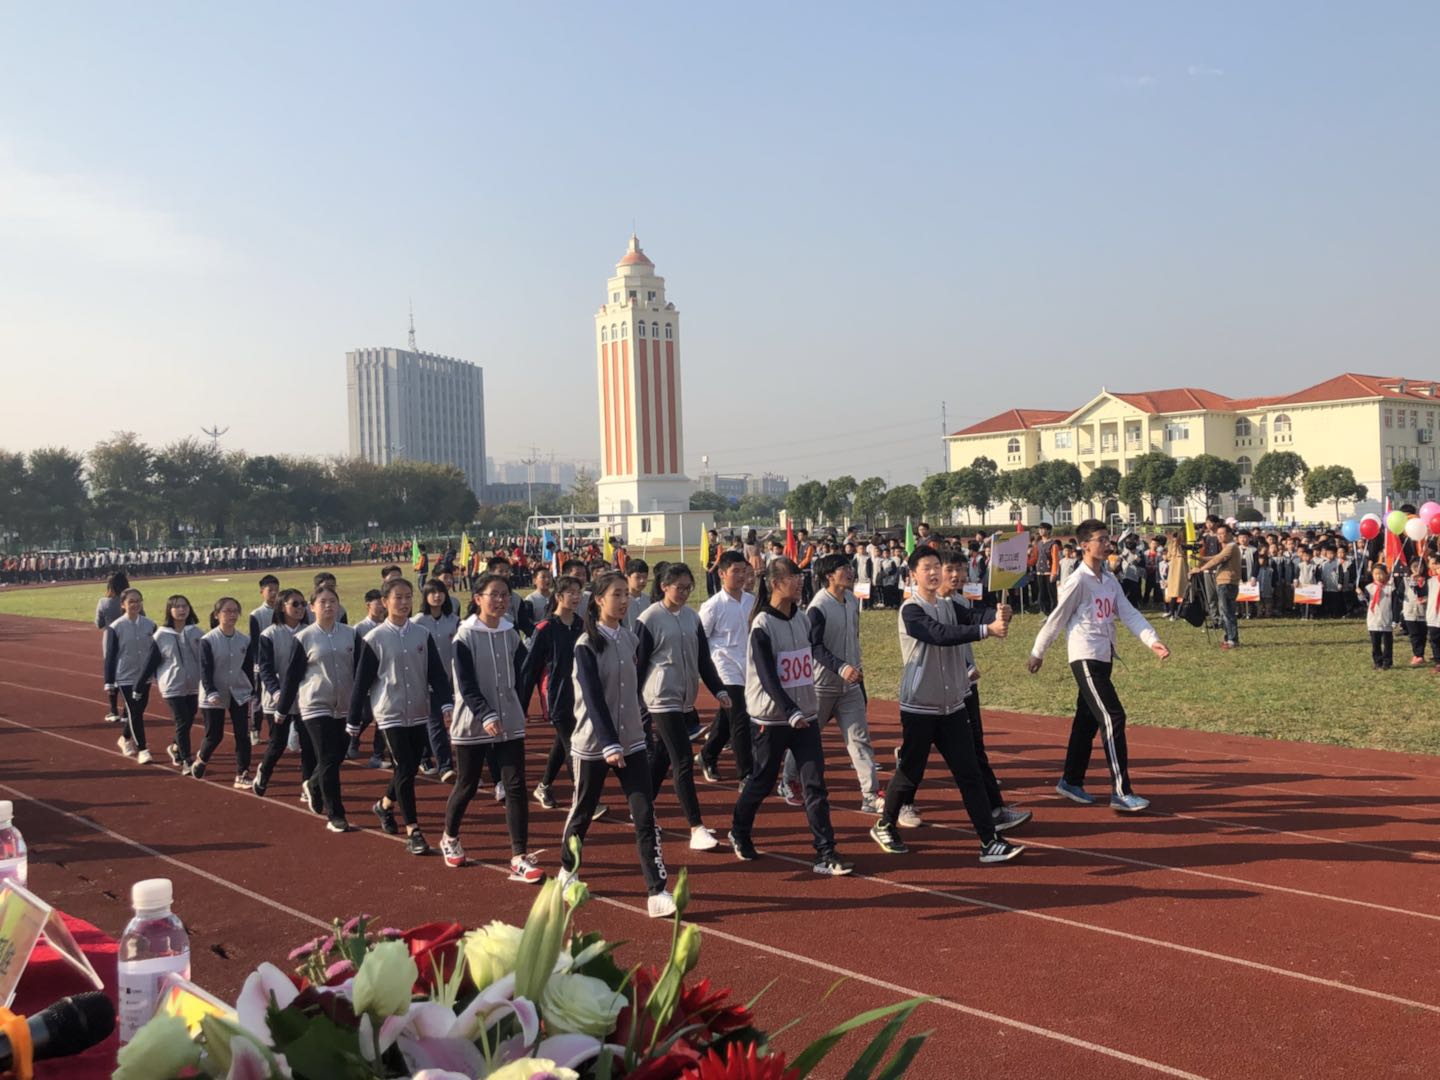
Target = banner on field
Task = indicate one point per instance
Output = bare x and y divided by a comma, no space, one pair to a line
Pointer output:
1249,592
1008,551
1309,594
862,590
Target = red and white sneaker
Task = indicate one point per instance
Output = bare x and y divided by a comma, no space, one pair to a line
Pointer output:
523,868
451,850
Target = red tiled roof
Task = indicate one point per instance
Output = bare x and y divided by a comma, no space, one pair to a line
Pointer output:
1183,399
1352,387
634,256
1014,420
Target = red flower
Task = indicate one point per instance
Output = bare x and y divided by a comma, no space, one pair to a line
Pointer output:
740,1063
675,1065
698,1004
435,944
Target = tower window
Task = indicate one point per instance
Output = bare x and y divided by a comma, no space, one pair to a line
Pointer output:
650,296
604,333
632,294
615,298
624,330
640,329
668,334
655,329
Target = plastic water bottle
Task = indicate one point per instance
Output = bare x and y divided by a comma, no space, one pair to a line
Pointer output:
154,944
14,863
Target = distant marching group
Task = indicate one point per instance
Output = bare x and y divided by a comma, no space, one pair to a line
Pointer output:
618,670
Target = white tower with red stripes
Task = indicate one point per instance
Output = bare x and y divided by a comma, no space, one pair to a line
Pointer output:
642,428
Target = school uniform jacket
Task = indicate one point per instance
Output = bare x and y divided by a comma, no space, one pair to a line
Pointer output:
607,697
107,610
443,630
673,658
934,671
638,606
320,678
400,676
127,647
174,661
275,649
260,619
1086,610
227,669
834,640
1380,607
550,662
489,683
780,668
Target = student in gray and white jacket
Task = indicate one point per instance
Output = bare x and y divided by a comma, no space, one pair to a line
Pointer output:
319,684
174,664
780,698
489,718
107,609
610,735
227,670
438,616
273,653
127,647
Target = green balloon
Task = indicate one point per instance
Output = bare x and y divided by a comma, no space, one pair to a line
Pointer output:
1396,521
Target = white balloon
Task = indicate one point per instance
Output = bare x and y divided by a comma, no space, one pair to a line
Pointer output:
1416,529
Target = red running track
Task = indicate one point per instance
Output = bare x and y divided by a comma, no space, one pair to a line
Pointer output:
1276,914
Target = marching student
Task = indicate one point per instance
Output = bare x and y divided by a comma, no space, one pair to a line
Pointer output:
637,576
519,612
107,609
400,676
374,616
1380,615
541,599
549,665
1086,612
439,618
227,670
174,663
327,579
318,684
780,698
609,734
273,654
489,720
127,646
934,682
673,659
834,618
260,618
725,619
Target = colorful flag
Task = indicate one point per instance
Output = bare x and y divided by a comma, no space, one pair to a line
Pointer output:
414,553
704,550
909,537
792,547
609,549
465,553
546,539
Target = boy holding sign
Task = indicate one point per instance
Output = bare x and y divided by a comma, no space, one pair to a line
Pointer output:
1086,610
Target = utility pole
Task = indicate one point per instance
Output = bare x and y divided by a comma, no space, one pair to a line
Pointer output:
944,449
412,327
214,431
530,464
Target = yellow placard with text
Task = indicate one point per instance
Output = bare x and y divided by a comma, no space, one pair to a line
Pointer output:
22,920
181,998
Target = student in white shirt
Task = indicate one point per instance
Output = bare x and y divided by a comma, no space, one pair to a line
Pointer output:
1086,610
725,619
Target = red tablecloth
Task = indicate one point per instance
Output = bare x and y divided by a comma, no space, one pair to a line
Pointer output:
48,978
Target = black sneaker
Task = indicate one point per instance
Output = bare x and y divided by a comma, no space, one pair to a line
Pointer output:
415,844
1000,850
387,818
1007,818
831,865
543,796
375,762
197,769
261,782
352,752
338,825
710,772
743,848
888,839
313,798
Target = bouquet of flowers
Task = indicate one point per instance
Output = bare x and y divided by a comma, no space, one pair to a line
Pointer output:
545,1002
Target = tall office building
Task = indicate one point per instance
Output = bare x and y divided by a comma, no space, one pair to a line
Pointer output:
416,405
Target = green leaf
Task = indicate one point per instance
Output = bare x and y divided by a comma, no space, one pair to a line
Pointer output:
286,1025
873,1054
322,1049
904,1056
813,1054
750,1005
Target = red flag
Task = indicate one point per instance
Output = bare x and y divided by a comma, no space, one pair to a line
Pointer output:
792,549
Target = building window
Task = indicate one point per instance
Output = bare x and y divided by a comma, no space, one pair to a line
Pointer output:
1065,516
624,330
604,333
1389,418
1414,419
650,296
1062,440
632,294
1013,446
668,334
1177,432
1282,424
615,298
655,329
1242,428
1389,455
1246,466
614,332
640,329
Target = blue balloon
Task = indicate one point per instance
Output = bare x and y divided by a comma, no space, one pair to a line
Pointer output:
1350,530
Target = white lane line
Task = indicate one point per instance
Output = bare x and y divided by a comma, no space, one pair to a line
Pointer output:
834,969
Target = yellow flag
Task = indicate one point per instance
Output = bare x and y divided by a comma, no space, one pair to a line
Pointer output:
465,552
704,550
609,549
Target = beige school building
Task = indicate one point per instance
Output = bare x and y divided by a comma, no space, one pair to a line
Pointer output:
1368,422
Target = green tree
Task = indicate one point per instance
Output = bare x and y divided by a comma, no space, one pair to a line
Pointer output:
1132,494
1152,473
937,496
902,502
59,502
1277,475
584,495
975,488
837,497
1014,488
1102,485
1207,477
805,501
1334,484
1405,478
710,500
121,475
759,509
1055,484
870,499
12,494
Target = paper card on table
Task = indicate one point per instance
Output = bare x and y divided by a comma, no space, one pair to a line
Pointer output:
1249,590
862,590
1008,551
22,919
57,935
972,590
179,997
1309,594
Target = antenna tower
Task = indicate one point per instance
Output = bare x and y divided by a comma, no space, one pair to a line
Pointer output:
412,327
215,431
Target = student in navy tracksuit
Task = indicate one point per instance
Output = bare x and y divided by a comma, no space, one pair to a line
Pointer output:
379,752
227,666
107,610
549,664
610,735
174,664
127,647
401,676
273,655
260,619
488,721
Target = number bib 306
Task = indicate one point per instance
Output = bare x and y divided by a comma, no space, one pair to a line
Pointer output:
795,668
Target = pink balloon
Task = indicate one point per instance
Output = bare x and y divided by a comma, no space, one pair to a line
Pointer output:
1369,526
1429,510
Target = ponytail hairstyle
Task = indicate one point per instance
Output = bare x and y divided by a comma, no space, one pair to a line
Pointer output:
215,611
481,584
190,620
602,584
661,569
117,583
282,604
780,567
669,575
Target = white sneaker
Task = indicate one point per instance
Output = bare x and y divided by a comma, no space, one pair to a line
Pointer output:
127,747
661,905
909,818
144,757
872,804
701,839
500,791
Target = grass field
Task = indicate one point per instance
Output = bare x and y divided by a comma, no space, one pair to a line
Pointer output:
1289,680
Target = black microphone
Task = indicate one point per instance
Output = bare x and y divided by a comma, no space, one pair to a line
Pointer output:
71,1025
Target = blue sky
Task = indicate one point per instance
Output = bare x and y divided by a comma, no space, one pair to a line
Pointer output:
860,211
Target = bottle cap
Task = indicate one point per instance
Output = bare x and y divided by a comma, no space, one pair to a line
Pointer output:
7,811
152,894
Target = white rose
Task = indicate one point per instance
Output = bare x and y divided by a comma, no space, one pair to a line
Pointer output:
533,1069
387,976
580,1003
490,952
163,1047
